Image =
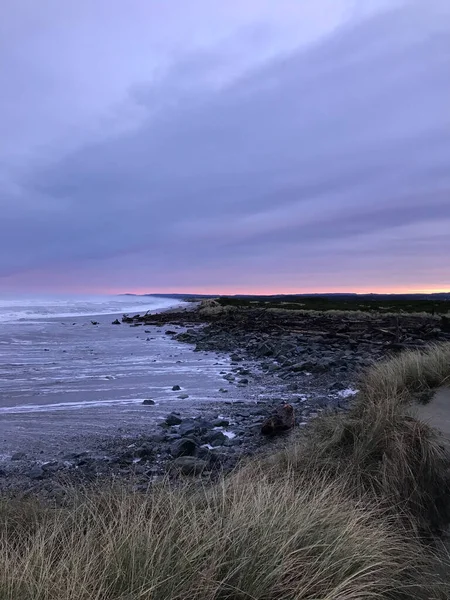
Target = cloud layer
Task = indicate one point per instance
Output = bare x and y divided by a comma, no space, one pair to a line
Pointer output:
321,165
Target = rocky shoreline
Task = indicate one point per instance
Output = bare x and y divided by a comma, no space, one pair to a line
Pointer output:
310,360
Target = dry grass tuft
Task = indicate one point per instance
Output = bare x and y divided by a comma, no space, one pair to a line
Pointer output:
378,448
410,373
237,540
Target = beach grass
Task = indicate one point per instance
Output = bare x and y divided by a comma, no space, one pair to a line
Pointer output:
353,509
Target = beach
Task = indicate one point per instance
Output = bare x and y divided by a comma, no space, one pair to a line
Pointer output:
92,395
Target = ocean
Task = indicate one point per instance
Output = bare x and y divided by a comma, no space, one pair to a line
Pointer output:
61,375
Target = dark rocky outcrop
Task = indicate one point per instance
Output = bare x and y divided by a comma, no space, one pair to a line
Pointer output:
280,421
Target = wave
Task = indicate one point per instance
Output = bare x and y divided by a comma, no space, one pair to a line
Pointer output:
31,309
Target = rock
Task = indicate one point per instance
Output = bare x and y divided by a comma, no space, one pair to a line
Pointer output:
176,388
183,396
281,420
215,438
170,332
189,465
116,322
145,451
173,419
221,423
149,402
183,447
223,391
243,381
157,438
36,472
235,358
229,377
18,456
94,322
51,466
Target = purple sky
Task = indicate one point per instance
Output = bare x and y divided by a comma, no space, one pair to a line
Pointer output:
203,145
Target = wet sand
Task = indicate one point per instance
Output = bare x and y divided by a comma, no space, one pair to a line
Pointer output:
65,381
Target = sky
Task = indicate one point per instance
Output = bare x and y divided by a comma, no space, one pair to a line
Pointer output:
224,147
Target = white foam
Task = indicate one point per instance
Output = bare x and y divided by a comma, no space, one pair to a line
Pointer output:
30,309
347,393
31,408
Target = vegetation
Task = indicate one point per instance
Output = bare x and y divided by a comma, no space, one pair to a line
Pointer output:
368,303
349,511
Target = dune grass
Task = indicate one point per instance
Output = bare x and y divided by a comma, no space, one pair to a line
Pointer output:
410,373
348,511
237,540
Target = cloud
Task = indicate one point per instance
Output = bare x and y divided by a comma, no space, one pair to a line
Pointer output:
325,165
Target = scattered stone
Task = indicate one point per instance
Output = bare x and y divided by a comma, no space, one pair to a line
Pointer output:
36,472
94,322
183,447
282,420
18,456
176,388
189,465
223,391
145,451
215,438
116,322
173,419
149,402
170,332
183,396
243,381
221,423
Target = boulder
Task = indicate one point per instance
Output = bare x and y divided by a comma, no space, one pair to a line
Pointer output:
176,388
36,472
189,465
183,447
183,396
116,322
18,456
149,402
215,438
281,420
173,419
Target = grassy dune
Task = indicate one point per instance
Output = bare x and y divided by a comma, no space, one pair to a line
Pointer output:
350,511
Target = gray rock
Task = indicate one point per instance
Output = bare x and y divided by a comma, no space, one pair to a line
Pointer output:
223,391
18,456
243,381
221,423
189,465
183,447
145,451
36,472
215,438
173,419
157,438
176,388
149,402
183,396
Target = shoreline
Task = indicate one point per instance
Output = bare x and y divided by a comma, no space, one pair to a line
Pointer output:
270,362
